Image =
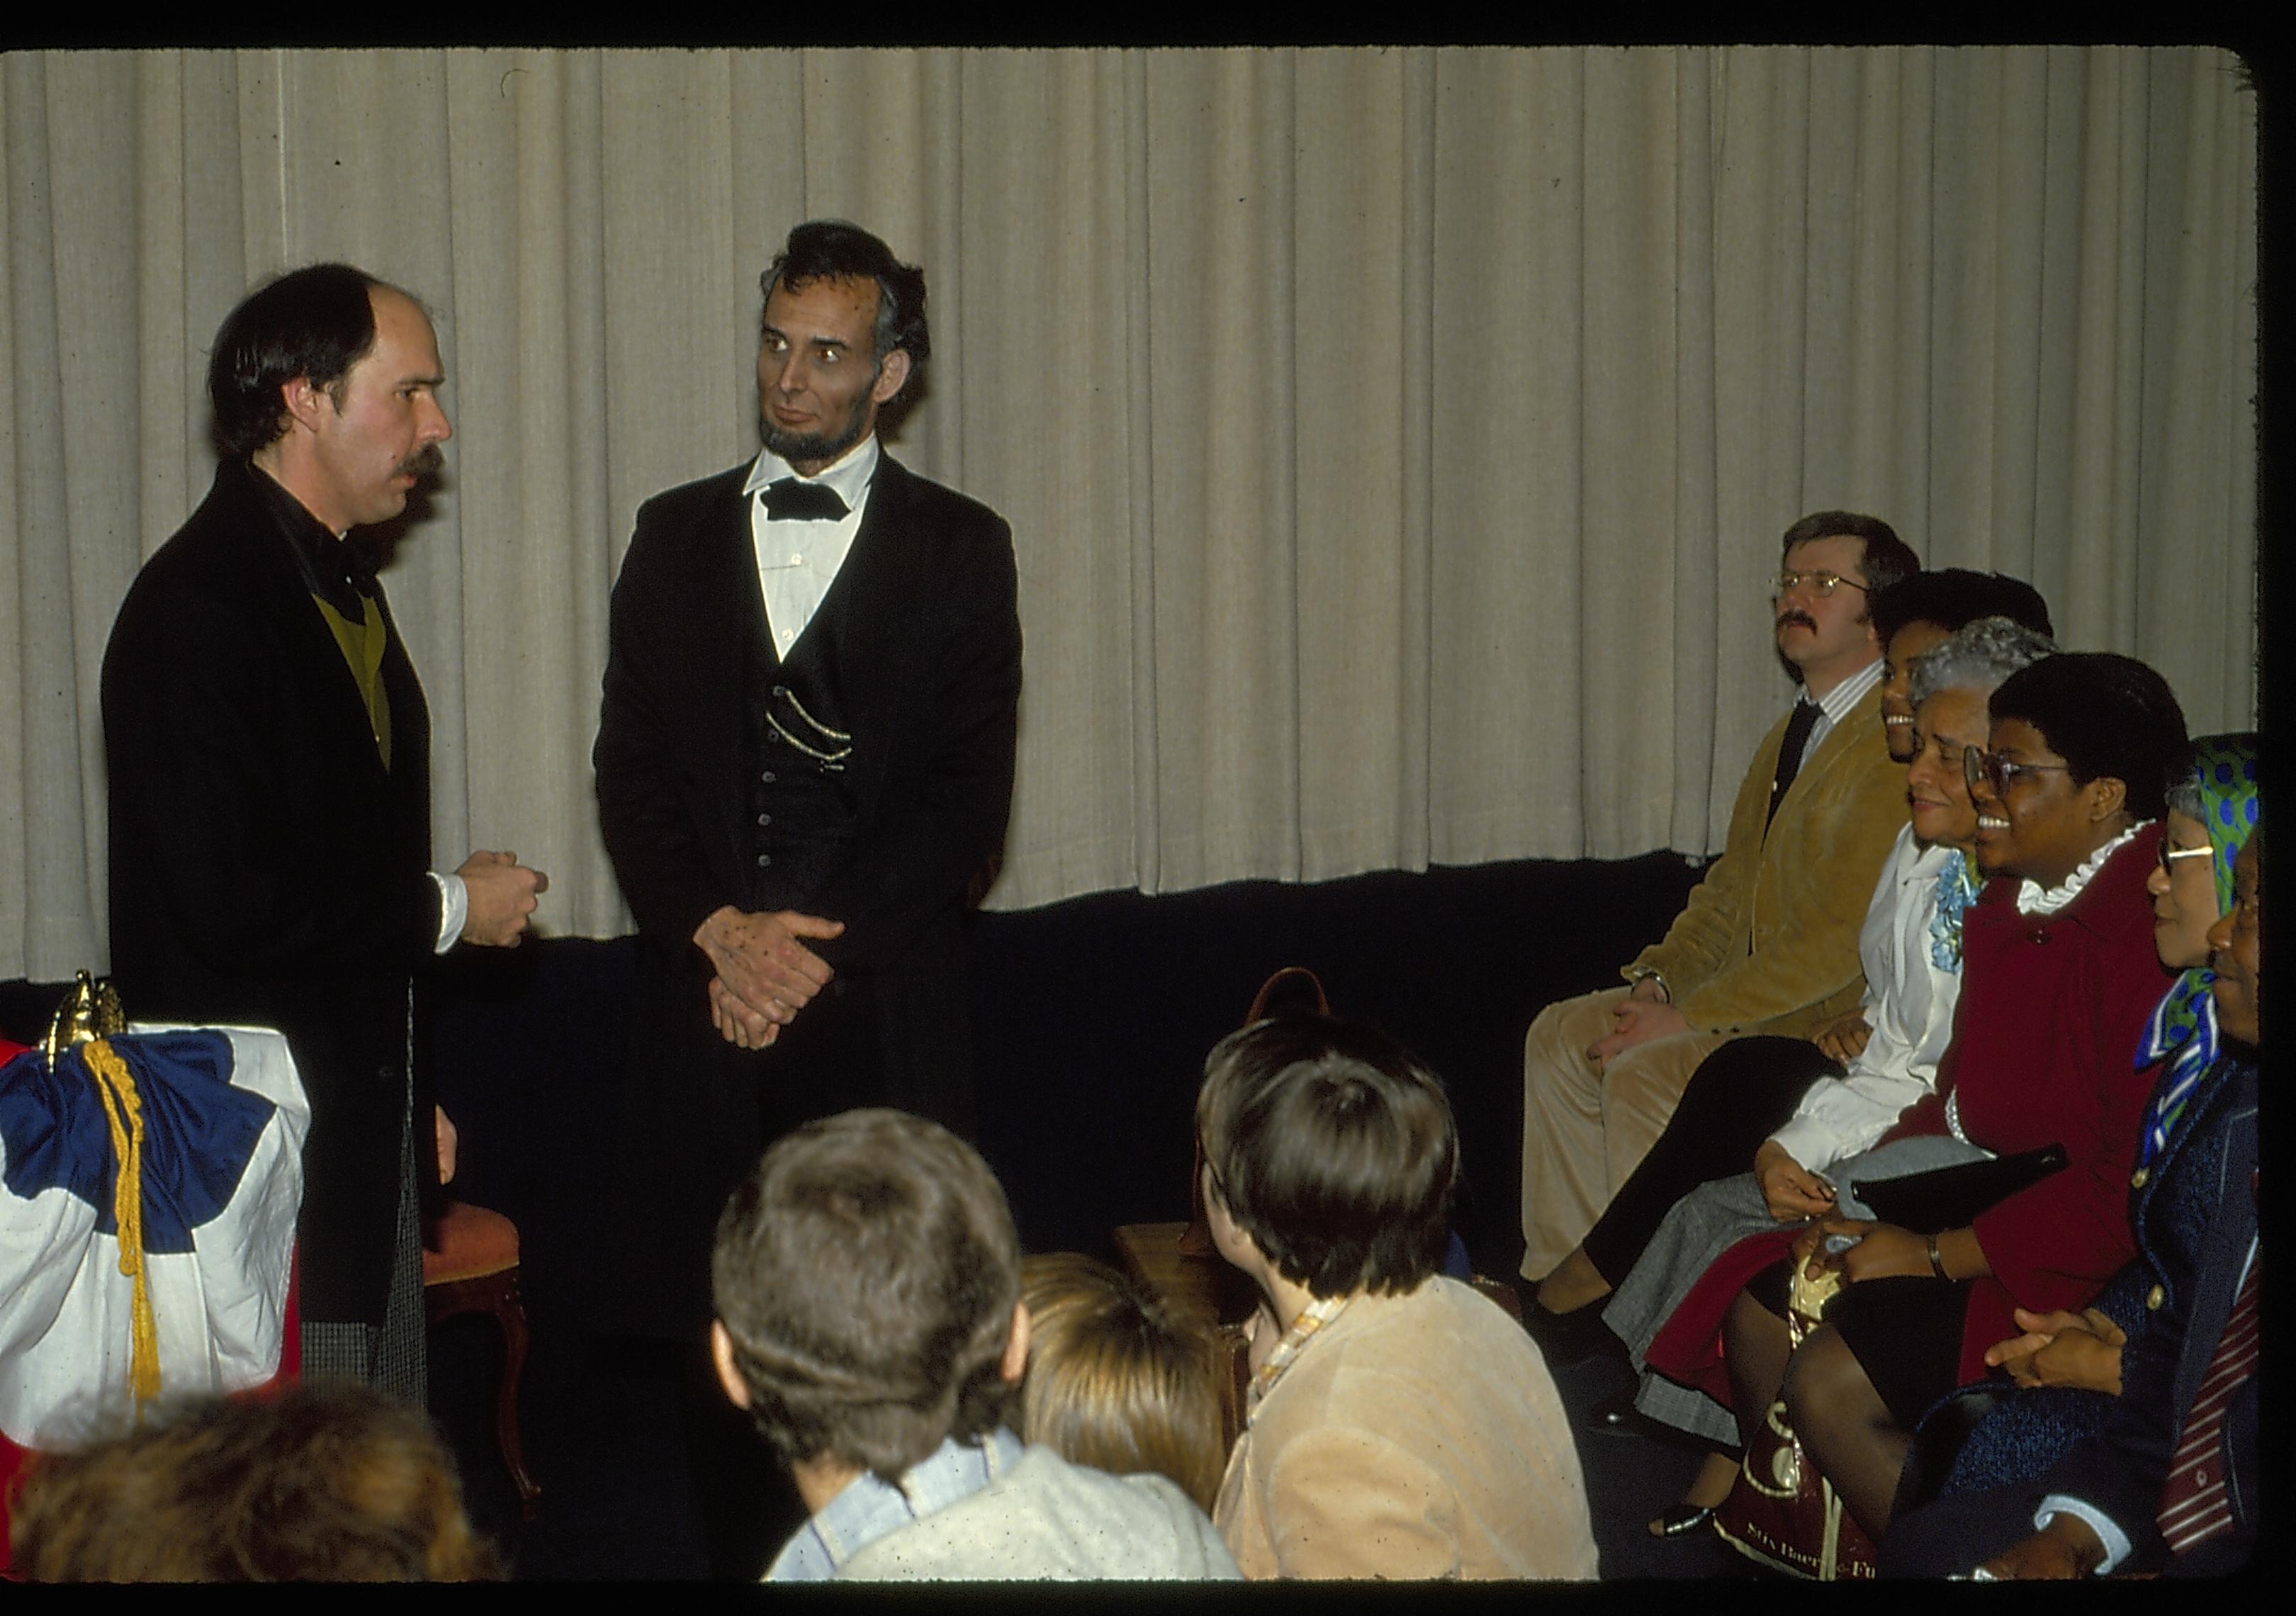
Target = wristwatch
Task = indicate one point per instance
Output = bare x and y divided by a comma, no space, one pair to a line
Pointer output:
1636,975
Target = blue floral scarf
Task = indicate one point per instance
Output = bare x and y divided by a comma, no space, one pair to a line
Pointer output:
1959,884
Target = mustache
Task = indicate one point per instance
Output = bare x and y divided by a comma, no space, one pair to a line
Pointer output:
1797,615
424,461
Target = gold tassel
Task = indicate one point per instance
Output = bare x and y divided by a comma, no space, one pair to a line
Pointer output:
123,1109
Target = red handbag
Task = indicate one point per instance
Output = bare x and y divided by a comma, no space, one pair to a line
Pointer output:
1781,1512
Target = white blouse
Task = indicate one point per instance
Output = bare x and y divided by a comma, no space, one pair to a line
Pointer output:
1909,1000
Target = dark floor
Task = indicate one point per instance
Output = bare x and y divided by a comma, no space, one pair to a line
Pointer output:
1633,1475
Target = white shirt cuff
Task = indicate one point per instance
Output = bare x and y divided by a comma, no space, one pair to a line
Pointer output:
2107,1530
1806,1140
454,910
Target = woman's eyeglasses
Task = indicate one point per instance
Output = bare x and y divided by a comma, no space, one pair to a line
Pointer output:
2169,855
1997,771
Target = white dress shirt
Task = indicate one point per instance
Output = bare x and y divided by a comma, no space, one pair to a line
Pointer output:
1834,703
799,560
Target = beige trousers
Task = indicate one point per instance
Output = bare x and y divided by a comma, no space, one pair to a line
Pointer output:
1586,1128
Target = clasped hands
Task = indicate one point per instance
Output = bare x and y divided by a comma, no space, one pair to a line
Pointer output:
1644,1014
2080,1349
766,975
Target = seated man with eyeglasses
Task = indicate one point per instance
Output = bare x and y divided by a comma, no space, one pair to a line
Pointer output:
1767,942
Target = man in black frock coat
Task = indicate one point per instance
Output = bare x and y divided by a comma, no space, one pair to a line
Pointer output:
268,750
804,759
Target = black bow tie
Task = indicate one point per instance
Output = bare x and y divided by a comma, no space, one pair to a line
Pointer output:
790,500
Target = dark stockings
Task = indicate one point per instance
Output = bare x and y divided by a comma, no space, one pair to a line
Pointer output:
1755,1349
1846,1430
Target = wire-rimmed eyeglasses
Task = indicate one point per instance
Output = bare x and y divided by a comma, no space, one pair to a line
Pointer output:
1819,583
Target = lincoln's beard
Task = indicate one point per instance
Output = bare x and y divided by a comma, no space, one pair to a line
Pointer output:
822,446
794,447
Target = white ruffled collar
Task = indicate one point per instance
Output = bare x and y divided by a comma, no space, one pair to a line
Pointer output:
2033,899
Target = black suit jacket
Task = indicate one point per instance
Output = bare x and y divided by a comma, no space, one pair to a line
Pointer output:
267,868
921,629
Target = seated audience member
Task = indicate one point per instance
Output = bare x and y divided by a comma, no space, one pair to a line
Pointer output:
2060,977
1400,1425
1118,1378
1750,1086
2170,1479
867,1283
1767,941
1912,952
1917,614
2067,1366
325,1482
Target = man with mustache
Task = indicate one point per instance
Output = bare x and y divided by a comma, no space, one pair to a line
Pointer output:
1767,942
804,759
270,797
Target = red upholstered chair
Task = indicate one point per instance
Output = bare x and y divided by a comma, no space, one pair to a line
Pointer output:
474,1269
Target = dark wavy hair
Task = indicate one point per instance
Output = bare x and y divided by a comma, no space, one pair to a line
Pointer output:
1885,559
1954,598
835,250
1334,1149
326,1482
866,1270
316,322
2109,717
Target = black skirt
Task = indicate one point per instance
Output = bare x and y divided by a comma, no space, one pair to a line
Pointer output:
1906,1333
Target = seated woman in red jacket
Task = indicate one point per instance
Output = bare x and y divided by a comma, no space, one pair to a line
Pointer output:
2060,973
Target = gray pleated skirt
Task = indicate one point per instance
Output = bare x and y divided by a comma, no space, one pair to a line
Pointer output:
1705,1224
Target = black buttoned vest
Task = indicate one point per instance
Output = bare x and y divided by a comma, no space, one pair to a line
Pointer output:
801,750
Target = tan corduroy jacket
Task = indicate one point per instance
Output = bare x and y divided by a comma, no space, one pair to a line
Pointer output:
1768,942
1415,1436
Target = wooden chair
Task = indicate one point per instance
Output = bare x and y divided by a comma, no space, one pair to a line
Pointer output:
475,1270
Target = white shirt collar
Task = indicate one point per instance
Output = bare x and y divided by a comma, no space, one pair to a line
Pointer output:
850,473
1852,690
2032,899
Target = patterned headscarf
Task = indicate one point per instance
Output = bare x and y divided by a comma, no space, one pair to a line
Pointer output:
2183,1031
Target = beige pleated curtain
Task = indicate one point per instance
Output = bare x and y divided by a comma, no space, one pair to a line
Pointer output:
1394,441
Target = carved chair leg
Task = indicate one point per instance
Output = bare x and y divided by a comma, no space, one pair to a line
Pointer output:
512,1313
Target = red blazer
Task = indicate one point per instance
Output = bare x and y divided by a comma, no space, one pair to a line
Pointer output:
2062,999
